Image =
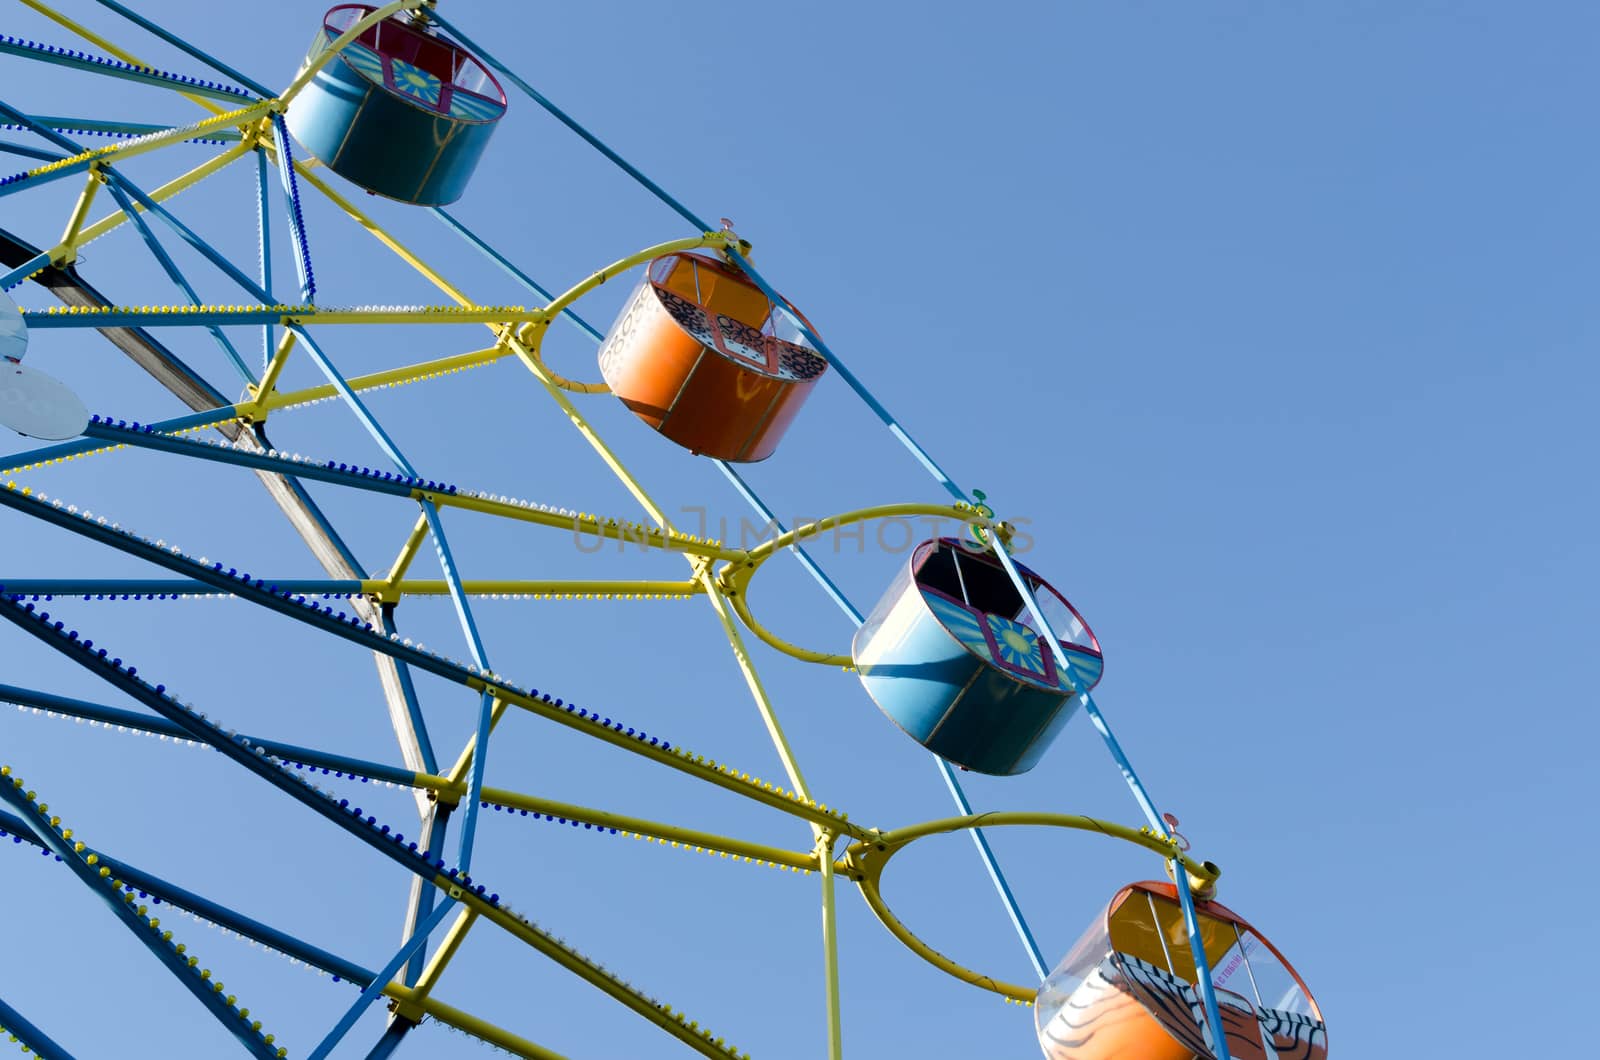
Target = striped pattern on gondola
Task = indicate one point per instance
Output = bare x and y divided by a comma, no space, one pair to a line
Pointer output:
1127,1009
1239,1024
1294,1035
1085,668
365,61
962,623
1094,1023
472,107
1169,998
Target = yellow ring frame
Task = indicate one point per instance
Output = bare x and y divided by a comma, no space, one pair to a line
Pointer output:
735,577
864,862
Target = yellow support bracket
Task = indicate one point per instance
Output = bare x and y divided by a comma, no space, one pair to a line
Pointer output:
457,777
412,1007
140,145
63,252
470,1024
254,410
80,209
390,592
388,377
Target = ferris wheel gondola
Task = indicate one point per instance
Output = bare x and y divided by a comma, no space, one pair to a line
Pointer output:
402,111
953,657
1129,989
701,354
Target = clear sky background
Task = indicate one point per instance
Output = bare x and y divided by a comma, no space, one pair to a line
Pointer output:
1276,321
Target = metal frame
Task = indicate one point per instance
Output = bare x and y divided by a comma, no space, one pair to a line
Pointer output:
717,572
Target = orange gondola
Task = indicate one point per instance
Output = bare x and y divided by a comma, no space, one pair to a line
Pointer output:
1129,991
701,354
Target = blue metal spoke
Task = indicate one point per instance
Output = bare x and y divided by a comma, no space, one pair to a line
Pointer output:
235,747
154,317
23,121
79,126
240,585
31,152
297,221
353,476
99,64
528,282
31,1037
103,887
480,760
393,1035
363,414
176,275
452,576
441,543
1197,947
189,49
294,606
188,235
911,444
291,753
178,897
23,271
43,454
156,588
416,942
264,251
1140,793
561,116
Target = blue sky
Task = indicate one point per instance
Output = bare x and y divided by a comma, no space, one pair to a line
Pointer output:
1273,320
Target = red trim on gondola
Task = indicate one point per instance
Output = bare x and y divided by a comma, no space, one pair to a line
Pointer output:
433,54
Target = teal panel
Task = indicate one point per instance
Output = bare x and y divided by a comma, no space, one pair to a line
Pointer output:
384,142
927,664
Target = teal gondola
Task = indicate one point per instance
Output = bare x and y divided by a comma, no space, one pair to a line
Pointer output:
403,111
953,657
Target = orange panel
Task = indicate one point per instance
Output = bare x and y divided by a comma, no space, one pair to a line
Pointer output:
648,385
689,356
1294,1035
1103,1021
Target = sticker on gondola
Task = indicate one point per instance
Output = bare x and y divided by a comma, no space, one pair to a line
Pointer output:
39,405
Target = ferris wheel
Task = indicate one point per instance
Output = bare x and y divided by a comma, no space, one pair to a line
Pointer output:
967,652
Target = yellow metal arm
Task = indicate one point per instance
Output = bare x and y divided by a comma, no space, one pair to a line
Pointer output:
864,862
735,577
